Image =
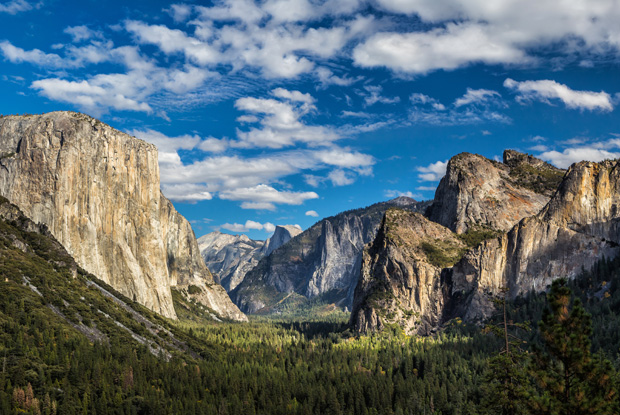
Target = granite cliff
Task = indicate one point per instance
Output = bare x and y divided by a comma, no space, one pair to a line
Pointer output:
577,226
324,260
401,275
97,190
477,192
230,257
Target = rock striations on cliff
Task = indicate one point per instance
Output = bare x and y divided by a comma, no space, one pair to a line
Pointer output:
401,280
230,257
478,192
324,260
97,190
577,226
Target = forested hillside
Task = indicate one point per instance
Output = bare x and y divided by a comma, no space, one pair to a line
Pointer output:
71,345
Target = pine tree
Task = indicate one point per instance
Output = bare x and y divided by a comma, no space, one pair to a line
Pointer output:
571,381
505,386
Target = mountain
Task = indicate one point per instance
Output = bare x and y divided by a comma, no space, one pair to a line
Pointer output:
42,281
478,192
401,274
577,227
324,260
97,190
230,257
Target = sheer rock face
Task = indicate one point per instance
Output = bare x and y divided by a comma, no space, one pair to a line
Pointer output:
577,227
401,281
323,259
230,257
281,235
479,192
97,190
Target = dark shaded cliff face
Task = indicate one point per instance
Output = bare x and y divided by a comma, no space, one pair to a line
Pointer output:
97,190
577,227
324,259
478,192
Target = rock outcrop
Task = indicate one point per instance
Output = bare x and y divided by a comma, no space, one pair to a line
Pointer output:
230,257
478,192
401,275
578,226
324,259
281,235
97,190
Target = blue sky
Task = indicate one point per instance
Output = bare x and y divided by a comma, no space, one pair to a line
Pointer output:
284,112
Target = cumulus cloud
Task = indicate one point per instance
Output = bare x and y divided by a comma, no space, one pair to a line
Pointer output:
312,213
280,122
340,178
449,47
547,90
595,151
186,192
264,197
433,172
248,226
35,56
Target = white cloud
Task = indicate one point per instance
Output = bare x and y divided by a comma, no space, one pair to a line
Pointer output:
92,96
417,98
186,192
573,155
280,121
263,197
476,96
81,33
174,41
433,172
340,178
167,144
546,90
326,78
372,95
312,213
295,96
180,12
18,55
451,47
15,6
248,226
344,157
426,188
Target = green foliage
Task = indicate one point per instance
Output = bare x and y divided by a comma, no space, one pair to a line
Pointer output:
570,380
442,253
475,235
543,180
193,290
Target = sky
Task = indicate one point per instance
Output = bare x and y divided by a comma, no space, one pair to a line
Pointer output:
279,112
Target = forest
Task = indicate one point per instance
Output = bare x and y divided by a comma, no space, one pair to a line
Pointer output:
67,349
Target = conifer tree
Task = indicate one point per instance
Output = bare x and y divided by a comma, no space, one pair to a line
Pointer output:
571,381
505,386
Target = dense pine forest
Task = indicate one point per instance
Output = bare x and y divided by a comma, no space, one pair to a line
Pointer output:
65,348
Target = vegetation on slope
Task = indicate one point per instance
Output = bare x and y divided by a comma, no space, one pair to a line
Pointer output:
50,366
